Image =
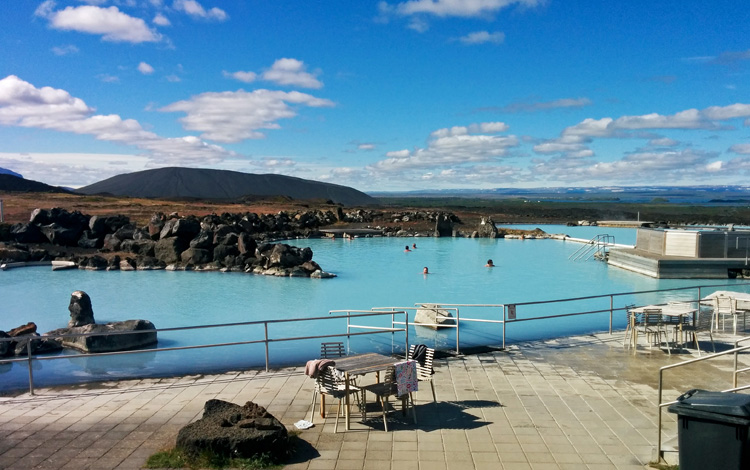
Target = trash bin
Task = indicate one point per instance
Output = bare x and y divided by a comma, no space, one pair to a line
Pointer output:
712,430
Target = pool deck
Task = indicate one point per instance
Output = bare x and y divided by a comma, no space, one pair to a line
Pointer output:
581,402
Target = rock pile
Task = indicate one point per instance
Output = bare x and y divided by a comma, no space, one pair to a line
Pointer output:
231,242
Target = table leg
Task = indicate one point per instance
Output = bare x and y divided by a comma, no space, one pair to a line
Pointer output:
346,398
322,405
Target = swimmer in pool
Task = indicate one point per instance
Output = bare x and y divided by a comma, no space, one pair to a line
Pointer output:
489,264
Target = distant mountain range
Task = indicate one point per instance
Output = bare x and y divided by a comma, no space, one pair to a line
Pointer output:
5,171
9,182
199,183
737,194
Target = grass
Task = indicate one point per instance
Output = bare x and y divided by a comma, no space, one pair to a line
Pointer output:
175,458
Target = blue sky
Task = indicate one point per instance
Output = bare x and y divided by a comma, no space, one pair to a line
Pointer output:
390,95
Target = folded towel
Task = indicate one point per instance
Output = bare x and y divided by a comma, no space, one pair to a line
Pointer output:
406,377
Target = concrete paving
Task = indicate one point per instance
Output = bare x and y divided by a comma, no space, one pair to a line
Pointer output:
582,402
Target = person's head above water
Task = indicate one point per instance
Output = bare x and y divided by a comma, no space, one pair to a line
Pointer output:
425,270
490,264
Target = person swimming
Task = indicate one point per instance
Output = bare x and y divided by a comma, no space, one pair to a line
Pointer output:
413,246
425,270
489,264
406,248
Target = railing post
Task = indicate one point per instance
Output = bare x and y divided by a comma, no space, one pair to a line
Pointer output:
611,311
406,331
265,327
658,418
31,374
458,322
505,318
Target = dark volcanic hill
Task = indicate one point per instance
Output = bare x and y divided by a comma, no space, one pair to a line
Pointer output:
176,182
14,183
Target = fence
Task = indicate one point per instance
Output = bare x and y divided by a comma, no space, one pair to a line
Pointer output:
501,315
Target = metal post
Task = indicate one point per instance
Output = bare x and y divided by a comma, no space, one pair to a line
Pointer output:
504,320
265,326
611,310
658,420
458,327
31,374
406,330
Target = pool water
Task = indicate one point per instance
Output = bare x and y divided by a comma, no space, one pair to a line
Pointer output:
372,272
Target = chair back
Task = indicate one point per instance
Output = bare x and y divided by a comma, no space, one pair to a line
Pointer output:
723,304
332,350
329,383
703,321
633,318
652,317
424,372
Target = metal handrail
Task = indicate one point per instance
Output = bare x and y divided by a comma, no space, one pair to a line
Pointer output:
266,340
508,317
735,351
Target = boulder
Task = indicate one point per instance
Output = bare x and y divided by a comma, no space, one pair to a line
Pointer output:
4,345
125,232
204,240
27,329
13,254
93,263
433,317
196,256
39,345
143,247
108,337
80,309
155,225
27,233
89,240
246,244
230,430
169,249
149,263
60,235
487,228
127,264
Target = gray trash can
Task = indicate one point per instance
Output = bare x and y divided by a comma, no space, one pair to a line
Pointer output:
712,430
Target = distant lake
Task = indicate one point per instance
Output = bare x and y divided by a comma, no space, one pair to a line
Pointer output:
372,272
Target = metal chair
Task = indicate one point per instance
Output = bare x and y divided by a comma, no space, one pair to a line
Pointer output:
332,350
703,322
385,389
328,384
724,307
653,325
634,320
425,372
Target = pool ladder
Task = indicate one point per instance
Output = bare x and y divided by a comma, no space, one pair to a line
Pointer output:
598,247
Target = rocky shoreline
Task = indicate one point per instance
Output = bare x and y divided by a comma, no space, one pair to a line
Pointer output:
239,242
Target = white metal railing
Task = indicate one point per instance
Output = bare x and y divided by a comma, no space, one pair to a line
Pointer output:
597,247
506,314
735,387
267,340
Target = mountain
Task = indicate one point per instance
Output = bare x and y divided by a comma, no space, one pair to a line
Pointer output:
5,171
197,183
16,183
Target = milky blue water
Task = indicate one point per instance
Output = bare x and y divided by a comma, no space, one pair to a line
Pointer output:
372,272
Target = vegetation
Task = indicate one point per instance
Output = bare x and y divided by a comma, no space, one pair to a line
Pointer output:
175,458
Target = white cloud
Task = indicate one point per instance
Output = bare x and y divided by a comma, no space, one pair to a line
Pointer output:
173,78
450,147
688,119
161,20
366,146
24,105
110,23
743,149
233,116
65,50
535,106
196,10
482,37
291,72
145,69
644,167
663,142
246,77
457,8
107,78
